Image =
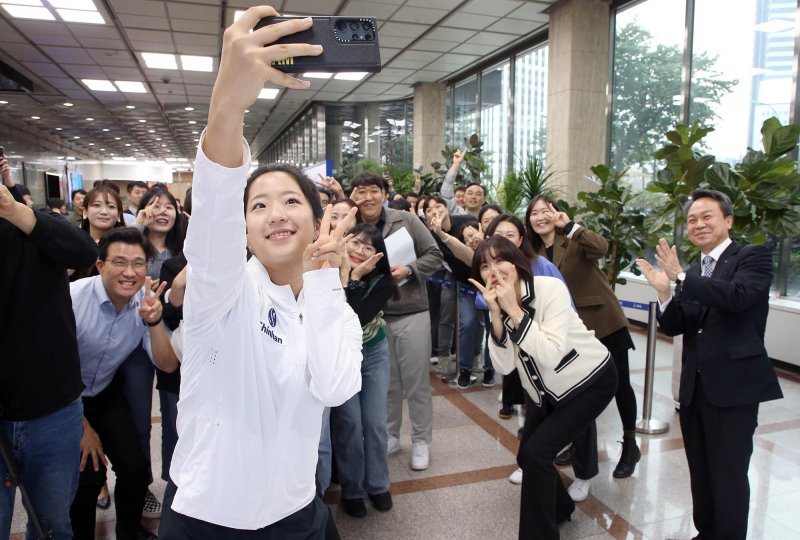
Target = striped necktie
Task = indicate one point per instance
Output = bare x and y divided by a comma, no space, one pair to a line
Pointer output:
708,265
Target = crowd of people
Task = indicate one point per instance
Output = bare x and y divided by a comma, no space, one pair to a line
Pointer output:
285,321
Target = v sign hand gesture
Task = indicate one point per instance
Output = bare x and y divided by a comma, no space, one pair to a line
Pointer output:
328,250
151,308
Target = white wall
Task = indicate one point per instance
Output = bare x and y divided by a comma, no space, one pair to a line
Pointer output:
783,323
126,170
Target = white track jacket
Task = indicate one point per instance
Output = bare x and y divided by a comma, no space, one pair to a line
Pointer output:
258,368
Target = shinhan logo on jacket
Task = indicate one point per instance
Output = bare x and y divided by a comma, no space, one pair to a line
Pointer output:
272,316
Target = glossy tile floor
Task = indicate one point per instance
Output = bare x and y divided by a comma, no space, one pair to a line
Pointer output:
465,492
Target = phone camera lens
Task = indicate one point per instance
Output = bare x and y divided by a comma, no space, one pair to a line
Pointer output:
341,25
368,37
355,37
353,26
366,26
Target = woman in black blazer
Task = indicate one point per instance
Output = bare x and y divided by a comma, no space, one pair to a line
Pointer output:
535,330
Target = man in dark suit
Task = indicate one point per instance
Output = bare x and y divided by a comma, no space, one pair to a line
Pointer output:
720,306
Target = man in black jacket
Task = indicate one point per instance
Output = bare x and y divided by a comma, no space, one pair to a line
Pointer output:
40,377
720,306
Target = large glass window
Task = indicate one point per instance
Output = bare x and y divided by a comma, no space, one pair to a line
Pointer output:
530,105
741,70
494,120
648,53
465,118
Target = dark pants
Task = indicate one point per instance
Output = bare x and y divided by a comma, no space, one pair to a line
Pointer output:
308,523
109,415
584,459
718,443
545,501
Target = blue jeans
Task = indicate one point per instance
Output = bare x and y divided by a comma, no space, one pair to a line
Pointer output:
358,429
469,335
169,430
48,454
324,454
138,373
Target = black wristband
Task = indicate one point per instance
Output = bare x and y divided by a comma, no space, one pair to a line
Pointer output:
152,324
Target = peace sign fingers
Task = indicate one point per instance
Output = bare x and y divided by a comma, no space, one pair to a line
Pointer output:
478,286
325,224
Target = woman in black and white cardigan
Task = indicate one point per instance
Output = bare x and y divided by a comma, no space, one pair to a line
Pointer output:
567,372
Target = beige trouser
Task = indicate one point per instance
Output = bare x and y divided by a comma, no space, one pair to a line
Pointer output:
409,338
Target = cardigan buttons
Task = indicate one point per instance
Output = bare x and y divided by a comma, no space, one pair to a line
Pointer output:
535,378
700,331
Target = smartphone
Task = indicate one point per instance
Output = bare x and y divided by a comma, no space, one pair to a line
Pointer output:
349,44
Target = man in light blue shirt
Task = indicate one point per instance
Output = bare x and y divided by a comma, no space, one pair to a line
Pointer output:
114,312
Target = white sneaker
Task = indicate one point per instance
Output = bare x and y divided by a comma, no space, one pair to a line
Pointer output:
434,360
393,446
516,477
579,489
419,456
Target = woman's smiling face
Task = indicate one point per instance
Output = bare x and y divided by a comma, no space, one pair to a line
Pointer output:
280,220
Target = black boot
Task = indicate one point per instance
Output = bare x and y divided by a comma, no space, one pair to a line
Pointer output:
629,458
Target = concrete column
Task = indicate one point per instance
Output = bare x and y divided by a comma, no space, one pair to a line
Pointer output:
429,122
576,92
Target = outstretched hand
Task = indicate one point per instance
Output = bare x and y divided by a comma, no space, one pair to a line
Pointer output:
328,250
245,67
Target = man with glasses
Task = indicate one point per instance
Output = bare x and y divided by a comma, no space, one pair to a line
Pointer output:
114,312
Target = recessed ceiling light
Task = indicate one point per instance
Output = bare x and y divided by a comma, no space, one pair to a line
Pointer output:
3,102
130,106
67,104
192,122
142,120
105,129
158,138
91,144
195,132
134,87
74,15
85,5
197,140
151,131
317,75
159,60
30,12
127,144
354,76
197,63
99,85
117,138
163,145
188,108
268,93
59,129
90,119
71,158
76,137
102,149
35,117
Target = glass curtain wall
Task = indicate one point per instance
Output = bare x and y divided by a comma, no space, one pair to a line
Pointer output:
648,53
740,72
298,144
494,120
530,105
519,85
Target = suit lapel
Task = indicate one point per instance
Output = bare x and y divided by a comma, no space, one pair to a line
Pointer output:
721,268
559,249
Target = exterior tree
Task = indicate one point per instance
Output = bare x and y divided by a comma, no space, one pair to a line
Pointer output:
647,79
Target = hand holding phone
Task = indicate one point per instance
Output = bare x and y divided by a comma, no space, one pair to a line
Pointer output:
349,44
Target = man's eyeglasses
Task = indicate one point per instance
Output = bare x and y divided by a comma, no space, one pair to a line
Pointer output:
121,264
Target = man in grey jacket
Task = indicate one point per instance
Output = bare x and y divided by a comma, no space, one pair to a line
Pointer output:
407,319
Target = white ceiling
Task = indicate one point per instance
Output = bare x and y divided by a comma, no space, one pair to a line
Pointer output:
421,41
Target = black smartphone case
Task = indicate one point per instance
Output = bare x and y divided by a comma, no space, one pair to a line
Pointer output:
344,50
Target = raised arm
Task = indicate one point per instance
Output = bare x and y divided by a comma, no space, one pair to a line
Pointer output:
66,244
216,241
448,185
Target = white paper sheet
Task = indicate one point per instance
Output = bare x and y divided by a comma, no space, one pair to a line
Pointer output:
400,248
